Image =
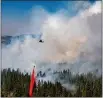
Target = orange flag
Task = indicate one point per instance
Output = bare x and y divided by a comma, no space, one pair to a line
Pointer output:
32,83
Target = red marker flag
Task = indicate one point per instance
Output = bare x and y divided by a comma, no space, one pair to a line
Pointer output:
32,83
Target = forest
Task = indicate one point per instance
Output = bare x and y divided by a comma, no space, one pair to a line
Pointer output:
14,83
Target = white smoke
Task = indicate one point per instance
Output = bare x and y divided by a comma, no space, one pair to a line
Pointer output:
75,40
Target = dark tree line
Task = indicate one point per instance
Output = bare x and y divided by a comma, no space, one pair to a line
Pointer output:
16,84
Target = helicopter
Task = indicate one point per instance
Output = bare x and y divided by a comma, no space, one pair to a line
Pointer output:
40,40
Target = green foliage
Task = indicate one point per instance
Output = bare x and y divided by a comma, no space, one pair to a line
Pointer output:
16,84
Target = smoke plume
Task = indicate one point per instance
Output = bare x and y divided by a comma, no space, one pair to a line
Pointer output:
73,41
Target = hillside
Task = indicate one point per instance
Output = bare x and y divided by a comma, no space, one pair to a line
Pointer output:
16,84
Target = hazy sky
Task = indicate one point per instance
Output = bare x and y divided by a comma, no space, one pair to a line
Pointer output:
17,14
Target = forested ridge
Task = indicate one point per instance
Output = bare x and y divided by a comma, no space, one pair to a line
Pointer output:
16,84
